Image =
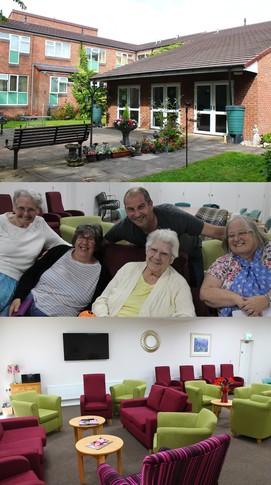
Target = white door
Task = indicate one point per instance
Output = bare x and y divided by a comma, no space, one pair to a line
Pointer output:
245,360
211,99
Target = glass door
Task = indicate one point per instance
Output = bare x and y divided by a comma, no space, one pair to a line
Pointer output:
165,104
210,107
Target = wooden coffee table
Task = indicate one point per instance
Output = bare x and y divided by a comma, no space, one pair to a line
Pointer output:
78,429
217,404
100,455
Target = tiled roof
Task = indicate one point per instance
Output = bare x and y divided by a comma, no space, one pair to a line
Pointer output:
219,50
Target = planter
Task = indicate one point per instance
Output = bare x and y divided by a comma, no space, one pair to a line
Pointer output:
91,158
101,156
125,134
123,153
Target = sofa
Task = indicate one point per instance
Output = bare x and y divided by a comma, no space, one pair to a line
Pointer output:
139,416
69,224
24,437
175,430
16,470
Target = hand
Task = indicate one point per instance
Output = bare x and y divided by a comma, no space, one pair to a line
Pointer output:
254,305
15,305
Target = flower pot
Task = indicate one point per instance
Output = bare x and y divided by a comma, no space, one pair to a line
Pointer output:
90,158
124,153
101,156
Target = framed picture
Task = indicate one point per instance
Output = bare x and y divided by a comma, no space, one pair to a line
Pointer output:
200,345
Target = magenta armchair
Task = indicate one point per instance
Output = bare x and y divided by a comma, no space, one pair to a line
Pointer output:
95,400
15,470
208,373
55,205
226,370
163,378
199,464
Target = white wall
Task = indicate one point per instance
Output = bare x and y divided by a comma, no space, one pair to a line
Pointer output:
81,195
36,345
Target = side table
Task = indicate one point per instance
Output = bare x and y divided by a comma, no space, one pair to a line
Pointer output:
82,450
217,404
78,428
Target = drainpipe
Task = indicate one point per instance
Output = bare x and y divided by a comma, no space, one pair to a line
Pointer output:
230,86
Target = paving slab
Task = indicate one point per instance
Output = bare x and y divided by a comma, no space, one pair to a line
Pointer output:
48,164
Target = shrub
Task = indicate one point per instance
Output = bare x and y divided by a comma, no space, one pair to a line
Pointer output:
266,172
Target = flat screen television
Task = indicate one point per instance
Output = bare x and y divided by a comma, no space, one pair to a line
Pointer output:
85,346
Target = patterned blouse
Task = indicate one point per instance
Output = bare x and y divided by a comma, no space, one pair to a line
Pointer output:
226,267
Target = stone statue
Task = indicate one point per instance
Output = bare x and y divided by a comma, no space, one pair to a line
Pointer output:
256,137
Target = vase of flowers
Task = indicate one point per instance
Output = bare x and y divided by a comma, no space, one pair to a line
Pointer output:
13,369
125,124
225,387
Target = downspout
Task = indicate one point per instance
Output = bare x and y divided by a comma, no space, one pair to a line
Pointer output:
230,87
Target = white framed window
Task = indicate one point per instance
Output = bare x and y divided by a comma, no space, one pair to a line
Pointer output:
130,96
4,36
165,103
122,58
58,85
95,57
18,45
13,90
57,49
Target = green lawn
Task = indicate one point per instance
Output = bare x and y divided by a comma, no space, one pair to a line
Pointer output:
227,167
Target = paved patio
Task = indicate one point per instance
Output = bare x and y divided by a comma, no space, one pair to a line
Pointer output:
47,164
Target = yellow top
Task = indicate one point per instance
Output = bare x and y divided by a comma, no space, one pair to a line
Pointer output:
136,299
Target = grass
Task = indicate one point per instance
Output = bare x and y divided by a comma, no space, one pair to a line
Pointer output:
22,123
227,167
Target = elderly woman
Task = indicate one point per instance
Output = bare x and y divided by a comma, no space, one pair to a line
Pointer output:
23,236
64,280
241,279
151,288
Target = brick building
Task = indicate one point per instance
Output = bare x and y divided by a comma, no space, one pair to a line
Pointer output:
208,71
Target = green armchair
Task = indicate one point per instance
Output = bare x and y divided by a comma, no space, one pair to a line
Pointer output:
255,388
47,408
200,394
69,224
252,417
128,389
175,430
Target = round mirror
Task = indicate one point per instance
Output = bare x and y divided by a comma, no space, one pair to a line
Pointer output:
150,341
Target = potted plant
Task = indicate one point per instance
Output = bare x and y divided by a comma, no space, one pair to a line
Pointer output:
120,151
101,153
125,124
90,153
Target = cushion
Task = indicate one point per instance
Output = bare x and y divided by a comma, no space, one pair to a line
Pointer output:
1,431
140,418
155,396
173,401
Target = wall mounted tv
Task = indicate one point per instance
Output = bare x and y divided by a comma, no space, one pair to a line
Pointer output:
85,346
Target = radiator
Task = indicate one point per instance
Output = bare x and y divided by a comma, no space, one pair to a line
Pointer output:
66,391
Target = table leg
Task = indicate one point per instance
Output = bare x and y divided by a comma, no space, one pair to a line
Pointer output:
98,429
81,467
215,410
119,461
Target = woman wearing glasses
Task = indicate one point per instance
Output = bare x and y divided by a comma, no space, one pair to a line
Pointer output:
23,236
239,283
151,288
63,281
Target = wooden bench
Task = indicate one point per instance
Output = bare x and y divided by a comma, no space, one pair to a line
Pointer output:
46,136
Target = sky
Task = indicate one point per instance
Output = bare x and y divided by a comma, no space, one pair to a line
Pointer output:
140,21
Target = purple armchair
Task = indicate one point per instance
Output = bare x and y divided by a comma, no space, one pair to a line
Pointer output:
163,378
55,205
199,464
16,470
208,373
95,400
226,370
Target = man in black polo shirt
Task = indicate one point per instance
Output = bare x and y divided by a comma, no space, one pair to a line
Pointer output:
143,217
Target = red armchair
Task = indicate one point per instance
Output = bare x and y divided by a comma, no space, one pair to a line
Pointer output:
208,373
95,400
16,470
55,205
200,464
162,378
6,204
24,437
53,220
226,370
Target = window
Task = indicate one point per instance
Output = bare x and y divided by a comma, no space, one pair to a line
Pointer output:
142,56
57,49
129,95
165,104
122,59
58,85
4,36
18,45
95,57
13,89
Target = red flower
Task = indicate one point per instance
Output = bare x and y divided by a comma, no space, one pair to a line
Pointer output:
224,383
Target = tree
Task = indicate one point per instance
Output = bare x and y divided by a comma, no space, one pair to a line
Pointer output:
81,89
5,19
